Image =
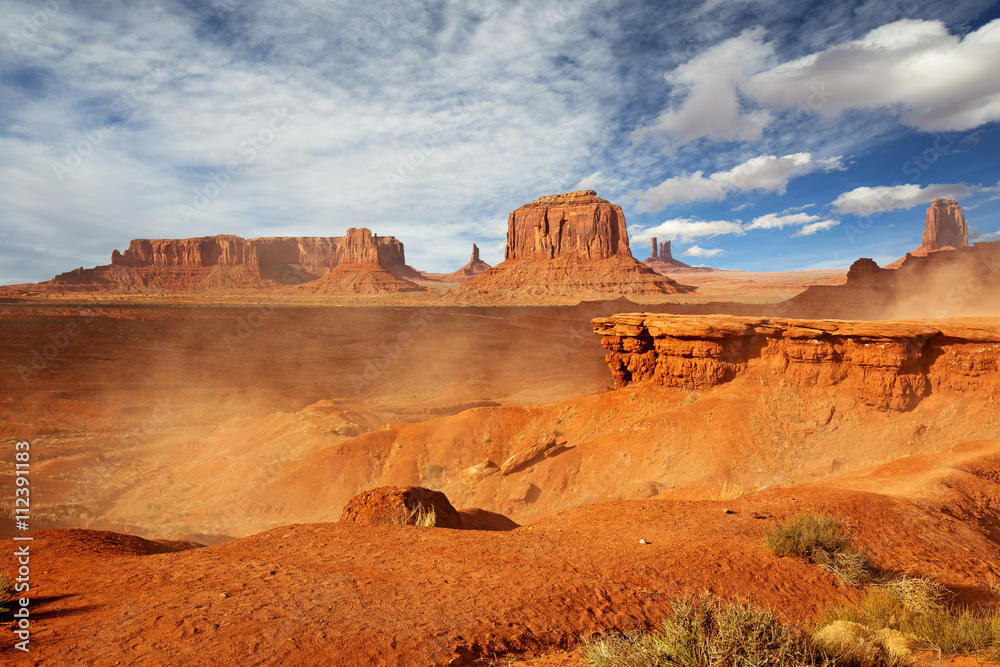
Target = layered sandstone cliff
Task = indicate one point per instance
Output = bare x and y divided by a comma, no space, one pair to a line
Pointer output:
231,262
570,243
890,365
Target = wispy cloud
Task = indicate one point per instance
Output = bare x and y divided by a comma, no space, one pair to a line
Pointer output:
768,173
866,200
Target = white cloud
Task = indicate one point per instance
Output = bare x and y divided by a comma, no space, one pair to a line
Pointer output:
698,251
866,200
688,229
779,221
934,80
768,173
590,182
814,227
709,85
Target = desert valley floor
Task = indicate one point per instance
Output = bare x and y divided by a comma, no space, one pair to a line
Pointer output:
248,424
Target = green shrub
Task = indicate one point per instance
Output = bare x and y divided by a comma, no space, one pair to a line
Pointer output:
822,540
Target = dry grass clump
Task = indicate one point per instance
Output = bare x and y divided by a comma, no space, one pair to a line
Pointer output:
424,517
916,607
704,631
824,541
856,644
732,491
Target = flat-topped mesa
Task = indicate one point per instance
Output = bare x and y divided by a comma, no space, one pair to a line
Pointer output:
890,365
945,227
231,262
359,246
575,224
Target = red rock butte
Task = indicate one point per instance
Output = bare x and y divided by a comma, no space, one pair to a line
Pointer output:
575,242
945,228
357,262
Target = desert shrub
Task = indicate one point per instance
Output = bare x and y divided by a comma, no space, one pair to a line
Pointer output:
824,541
916,607
704,631
433,471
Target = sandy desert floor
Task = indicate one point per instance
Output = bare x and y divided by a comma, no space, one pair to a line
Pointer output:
171,421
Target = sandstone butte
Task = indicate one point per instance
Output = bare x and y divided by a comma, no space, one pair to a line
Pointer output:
572,242
357,262
891,366
661,260
945,228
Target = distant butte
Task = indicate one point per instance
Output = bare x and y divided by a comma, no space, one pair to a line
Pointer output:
662,260
571,243
359,262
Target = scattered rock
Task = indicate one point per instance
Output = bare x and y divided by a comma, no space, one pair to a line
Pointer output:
529,456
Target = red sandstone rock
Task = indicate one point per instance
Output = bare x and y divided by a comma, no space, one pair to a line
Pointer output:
893,365
944,227
227,262
570,243
575,224
387,505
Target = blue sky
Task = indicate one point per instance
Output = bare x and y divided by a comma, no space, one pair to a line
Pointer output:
757,134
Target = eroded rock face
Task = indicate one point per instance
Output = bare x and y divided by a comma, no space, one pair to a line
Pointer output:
401,505
893,365
574,224
944,227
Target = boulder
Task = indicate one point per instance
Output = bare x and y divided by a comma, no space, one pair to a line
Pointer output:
401,505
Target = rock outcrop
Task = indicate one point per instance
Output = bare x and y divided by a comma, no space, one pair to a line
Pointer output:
475,267
891,365
945,228
226,262
402,505
570,243
579,225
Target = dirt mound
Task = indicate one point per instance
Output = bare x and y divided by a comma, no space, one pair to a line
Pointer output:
401,505
337,594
